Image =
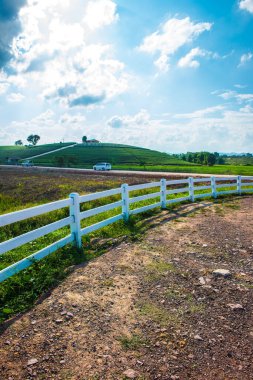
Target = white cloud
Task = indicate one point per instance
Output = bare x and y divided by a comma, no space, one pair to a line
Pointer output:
236,96
3,87
116,122
4,83
226,95
245,58
140,119
173,34
246,5
162,63
214,129
189,59
68,119
91,72
200,113
246,108
56,52
15,97
100,13
63,36
240,86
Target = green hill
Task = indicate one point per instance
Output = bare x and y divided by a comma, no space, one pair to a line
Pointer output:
85,156
22,152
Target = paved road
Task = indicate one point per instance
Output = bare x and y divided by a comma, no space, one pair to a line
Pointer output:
117,172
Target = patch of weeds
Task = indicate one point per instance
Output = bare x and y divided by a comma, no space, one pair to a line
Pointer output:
193,214
185,274
246,285
67,375
185,297
125,268
157,269
131,343
196,309
108,282
219,210
152,277
178,220
233,206
154,250
188,297
173,294
142,377
158,314
161,266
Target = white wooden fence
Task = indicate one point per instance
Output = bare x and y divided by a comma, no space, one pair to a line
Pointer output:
163,196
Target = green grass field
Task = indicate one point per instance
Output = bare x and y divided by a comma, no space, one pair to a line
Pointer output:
216,169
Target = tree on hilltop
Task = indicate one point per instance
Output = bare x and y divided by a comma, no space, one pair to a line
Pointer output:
18,142
33,139
84,139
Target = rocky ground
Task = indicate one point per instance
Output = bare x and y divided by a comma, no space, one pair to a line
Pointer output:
154,309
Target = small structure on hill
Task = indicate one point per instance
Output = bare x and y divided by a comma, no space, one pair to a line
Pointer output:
92,141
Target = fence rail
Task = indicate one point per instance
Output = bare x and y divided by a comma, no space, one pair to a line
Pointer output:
127,203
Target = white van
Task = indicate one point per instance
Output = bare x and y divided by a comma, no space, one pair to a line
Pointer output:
102,166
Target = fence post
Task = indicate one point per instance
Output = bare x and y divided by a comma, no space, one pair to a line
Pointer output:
191,189
213,187
75,226
125,200
239,184
163,193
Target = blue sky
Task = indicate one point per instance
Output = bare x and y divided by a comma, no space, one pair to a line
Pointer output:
174,76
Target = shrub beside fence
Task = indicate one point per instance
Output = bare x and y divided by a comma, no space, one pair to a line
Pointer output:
192,188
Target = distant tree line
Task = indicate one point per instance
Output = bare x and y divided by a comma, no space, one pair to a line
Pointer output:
203,158
249,155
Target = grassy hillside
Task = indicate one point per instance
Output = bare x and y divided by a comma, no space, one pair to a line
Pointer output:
239,160
85,156
25,151
123,157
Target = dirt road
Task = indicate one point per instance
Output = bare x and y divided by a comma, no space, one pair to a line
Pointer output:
152,309
119,172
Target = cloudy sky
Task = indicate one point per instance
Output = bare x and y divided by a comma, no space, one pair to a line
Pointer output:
169,75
